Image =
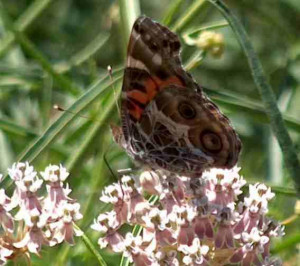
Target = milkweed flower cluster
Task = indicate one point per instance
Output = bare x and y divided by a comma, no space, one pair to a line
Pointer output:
193,221
31,218
208,41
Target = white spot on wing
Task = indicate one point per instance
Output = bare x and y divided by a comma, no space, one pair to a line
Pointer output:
132,62
156,59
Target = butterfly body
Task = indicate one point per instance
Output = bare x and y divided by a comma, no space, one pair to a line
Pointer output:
167,120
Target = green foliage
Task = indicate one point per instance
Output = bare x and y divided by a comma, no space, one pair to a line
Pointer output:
57,52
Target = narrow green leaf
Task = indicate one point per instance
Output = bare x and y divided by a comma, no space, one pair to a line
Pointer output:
96,127
65,119
63,81
253,109
91,247
17,130
130,10
23,22
267,94
287,243
189,15
87,52
174,8
213,26
137,230
31,49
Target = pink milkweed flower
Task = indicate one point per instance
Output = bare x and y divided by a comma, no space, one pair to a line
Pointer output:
223,186
202,222
203,227
114,239
5,253
138,207
186,232
34,237
64,230
256,207
252,249
156,228
150,183
55,173
27,185
189,215
112,194
168,201
19,170
107,223
225,236
33,240
39,220
119,197
194,254
270,229
25,195
6,219
136,254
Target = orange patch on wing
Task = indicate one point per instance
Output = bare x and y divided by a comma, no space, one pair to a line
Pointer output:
151,88
171,80
136,112
138,96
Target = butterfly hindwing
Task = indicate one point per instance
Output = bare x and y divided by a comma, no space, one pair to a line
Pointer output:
167,121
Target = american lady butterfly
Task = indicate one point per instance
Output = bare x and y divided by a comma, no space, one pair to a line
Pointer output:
167,120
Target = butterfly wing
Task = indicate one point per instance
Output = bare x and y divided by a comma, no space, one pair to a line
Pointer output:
153,63
184,132
167,121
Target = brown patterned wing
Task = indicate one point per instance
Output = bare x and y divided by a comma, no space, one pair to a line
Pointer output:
153,63
167,121
184,132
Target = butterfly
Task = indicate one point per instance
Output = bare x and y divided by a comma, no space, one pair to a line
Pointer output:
167,120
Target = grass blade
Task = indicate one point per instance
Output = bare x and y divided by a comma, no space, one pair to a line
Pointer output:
65,119
188,15
23,22
130,10
267,94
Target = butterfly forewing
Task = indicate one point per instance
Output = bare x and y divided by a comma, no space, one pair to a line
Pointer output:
167,121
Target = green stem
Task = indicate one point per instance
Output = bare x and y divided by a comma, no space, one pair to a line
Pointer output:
172,10
22,23
213,26
192,11
267,95
83,55
137,230
97,126
31,49
129,11
64,82
91,247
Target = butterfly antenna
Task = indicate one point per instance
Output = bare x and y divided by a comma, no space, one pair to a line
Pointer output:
116,177
108,166
109,69
61,109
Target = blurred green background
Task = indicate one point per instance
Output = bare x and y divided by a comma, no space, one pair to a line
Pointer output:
61,49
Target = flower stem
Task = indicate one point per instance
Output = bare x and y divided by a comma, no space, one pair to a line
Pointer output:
32,50
23,22
267,94
91,247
